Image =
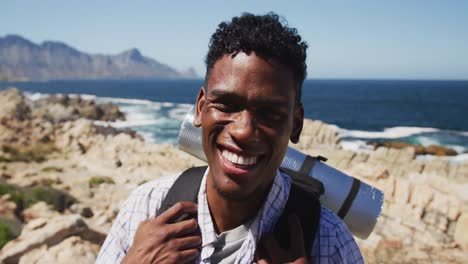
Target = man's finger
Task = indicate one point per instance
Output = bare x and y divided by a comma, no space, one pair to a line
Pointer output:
182,228
185,243
188,255
176,211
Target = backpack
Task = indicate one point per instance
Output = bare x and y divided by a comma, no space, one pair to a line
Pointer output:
303,201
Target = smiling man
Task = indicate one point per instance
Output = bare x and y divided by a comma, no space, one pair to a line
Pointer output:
249,109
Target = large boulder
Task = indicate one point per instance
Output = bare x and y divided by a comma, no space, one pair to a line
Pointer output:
73,249
418,149
44,232
61,108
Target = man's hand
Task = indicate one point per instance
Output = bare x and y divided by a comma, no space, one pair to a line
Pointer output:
160,240
270,252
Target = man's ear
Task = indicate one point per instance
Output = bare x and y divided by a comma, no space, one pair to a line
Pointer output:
298,122
199,107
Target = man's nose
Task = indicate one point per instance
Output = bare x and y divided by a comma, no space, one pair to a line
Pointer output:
243,127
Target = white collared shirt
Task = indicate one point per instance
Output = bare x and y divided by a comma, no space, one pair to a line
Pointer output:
333,242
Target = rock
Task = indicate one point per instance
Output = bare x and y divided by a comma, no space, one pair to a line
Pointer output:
84,211
418,149
453,212
317,132
13,105
436,220
61,108
34,224
54,231
110,112
72,249
440,151
87,212
402,191
39,210
440,203
7,207
421,196
370,171
461,230
387,186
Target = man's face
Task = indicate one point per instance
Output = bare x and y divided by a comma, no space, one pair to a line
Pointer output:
247,113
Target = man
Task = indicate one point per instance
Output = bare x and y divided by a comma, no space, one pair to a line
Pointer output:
248,109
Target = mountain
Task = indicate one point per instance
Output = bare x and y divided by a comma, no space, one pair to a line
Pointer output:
21,59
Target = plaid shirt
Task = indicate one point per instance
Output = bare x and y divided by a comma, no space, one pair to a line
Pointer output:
333,242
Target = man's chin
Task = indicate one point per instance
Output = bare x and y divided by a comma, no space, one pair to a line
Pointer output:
233,193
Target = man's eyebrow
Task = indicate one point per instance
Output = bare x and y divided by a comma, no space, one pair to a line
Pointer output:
237,97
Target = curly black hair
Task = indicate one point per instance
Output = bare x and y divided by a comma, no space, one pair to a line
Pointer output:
266,36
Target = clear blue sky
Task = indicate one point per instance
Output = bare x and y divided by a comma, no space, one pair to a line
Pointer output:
347,39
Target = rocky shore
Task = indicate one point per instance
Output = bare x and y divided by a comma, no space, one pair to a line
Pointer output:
63,180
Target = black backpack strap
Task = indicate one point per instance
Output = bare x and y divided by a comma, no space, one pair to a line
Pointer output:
309,184
303,201
185,188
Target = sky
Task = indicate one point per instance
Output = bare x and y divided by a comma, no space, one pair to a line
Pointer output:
367,39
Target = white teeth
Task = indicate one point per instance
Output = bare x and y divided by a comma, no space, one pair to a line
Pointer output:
241,160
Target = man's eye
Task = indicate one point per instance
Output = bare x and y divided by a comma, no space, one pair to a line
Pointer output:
270,115
226,107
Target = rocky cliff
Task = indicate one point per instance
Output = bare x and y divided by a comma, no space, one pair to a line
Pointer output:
63,186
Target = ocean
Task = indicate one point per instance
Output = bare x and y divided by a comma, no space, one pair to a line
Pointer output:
418,112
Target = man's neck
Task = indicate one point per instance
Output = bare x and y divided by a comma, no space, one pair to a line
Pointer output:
227,213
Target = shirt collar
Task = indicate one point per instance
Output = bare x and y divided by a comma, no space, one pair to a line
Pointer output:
263,223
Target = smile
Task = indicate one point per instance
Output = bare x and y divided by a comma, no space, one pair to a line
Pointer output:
239,159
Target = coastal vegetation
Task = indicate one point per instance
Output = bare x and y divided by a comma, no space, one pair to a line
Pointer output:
25,197
98,180
35,153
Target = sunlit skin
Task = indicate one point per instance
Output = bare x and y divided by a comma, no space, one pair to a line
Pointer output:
248,107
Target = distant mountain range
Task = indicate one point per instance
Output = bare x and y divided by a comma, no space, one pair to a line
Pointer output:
21,59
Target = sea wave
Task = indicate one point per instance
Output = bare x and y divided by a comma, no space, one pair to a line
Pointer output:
37,96
361,146
356,146
461,158
393,132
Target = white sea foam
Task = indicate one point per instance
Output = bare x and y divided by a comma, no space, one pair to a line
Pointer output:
458,149
179,112
35,96
147,136
426,141
126,100
394,132
461,158
133,123
167,104
356,146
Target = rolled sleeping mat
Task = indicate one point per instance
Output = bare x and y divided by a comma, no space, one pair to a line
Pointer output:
356,202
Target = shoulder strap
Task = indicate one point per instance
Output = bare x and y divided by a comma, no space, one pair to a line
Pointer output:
185,188
304,202
309,184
